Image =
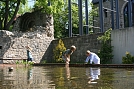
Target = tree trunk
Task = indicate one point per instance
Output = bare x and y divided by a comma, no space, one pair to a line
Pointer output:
14,15
6,13
0,24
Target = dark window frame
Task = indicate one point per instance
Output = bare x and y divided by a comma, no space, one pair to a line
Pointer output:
125,14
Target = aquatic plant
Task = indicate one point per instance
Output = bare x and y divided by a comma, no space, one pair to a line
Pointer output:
24,62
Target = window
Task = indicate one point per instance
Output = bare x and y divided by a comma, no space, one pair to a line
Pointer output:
126,16
105,12
126,21
133,13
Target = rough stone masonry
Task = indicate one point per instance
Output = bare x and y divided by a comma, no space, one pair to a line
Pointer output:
34,29
13,44
40,37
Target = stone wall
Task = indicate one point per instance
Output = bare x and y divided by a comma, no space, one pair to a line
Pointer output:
82,43
31,21
32,28
13,45
36,30
107,19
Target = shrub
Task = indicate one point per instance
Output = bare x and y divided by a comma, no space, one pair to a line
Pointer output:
58,51
105,52
128,59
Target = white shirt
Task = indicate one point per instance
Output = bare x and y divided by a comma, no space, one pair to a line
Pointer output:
93,58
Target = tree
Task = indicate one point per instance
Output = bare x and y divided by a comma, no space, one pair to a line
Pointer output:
10,8
49,6
8,11
92,13
61,20
24,8
59,9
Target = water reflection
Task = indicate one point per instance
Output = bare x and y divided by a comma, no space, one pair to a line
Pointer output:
67,71
30,75
55,77
70,83
25,78
92,74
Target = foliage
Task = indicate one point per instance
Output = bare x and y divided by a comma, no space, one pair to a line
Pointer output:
58,51
128,59
10,8
105,53
23,8
92,13
8,11
59,8
49,6
44,61
61,21
24,62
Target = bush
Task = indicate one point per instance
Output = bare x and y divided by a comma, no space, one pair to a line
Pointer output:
128,59
59,49
105,53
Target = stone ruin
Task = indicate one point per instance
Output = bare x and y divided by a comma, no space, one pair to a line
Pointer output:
34,21
34,29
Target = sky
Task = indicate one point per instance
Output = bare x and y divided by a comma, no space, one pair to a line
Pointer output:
31,2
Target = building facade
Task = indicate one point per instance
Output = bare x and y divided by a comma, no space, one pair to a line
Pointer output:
115,14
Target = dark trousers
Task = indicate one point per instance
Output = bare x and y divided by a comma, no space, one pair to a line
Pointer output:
30,59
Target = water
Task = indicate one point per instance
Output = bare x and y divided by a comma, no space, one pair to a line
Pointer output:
54,77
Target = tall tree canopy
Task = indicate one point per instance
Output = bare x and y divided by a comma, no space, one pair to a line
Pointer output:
61,21
49,6
59,8
23,8
10,8
8,11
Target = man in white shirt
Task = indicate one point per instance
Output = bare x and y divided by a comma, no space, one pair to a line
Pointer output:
94,59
